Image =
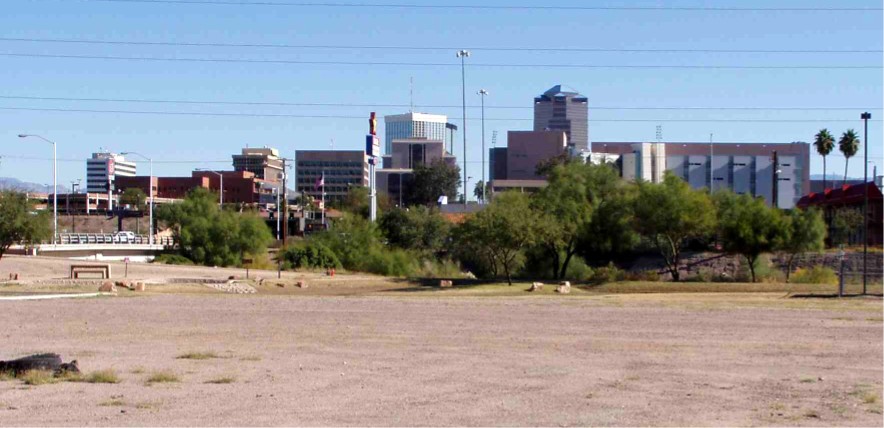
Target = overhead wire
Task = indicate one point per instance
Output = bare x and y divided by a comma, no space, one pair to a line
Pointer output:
422,48
314,116
359,105
446,64
493,7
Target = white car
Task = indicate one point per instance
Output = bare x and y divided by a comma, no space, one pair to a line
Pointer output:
124,237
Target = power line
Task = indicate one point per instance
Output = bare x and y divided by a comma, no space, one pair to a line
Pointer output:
493,7
311,116
448,64
37,158
301,104
424,48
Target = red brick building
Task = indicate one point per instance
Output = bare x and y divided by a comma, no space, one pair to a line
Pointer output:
850,197
239,186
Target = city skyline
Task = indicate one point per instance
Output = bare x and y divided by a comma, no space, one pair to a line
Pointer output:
210,133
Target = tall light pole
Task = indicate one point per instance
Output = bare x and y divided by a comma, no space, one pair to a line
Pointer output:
463,55
54,185
150,231
483,93
865,117
221,188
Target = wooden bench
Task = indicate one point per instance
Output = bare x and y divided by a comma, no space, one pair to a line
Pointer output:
104,270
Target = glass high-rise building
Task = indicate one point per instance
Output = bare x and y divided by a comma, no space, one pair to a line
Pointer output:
561,110
413,125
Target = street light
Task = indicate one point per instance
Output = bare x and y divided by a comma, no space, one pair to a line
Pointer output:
54,185
463,55
150,231
865,117
482,93
221,190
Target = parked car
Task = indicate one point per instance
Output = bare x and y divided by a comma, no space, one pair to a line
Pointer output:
124,237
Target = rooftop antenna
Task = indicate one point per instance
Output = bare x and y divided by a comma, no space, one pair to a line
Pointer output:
411,95
659,133
332,143
494,139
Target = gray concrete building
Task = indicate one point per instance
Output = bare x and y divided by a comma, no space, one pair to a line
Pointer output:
561,110
744,168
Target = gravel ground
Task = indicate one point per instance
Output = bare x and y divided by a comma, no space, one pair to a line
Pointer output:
600,360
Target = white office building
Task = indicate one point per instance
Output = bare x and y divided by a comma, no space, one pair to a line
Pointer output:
414,126
103,167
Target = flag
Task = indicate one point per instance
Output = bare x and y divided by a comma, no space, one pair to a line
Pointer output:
320,182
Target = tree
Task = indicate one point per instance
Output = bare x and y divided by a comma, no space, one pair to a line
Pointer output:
135,197
357,201
419,228
806,232
670,213
845,224
545,166
824,144
566,207
211,236
499,234
748,227
429,182
482,191
848,145
611,232
19,224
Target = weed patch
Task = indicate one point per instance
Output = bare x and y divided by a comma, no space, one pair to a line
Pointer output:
197,356
222,380
162,377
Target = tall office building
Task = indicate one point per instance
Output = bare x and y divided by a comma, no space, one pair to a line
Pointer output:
415,126
102,168
561,110
263,162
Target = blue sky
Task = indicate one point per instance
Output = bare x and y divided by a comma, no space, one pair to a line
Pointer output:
180,143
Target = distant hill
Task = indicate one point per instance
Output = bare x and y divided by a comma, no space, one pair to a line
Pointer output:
837,177
8,183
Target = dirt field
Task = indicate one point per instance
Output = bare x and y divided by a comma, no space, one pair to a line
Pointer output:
405,358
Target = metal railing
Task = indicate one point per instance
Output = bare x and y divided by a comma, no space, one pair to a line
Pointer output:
112,239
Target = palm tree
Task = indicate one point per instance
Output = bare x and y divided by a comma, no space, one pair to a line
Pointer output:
824,143
848,145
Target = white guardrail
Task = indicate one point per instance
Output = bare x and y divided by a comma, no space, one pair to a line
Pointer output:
112,238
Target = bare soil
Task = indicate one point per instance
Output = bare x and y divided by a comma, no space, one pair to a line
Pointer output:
379,357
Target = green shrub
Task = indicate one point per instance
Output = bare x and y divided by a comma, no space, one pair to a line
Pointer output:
310,255
172,259
643,276
393,262
443,268
606,274
815,275
578,271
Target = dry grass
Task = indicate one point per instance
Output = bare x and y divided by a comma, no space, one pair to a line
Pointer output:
807,379
197,356
250,358
222,380
137,370
38,377
162,377
114,402
102,376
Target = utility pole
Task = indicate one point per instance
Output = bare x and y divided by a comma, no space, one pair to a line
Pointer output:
865,117
285,201
463,54
483,93
776,180
711,165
